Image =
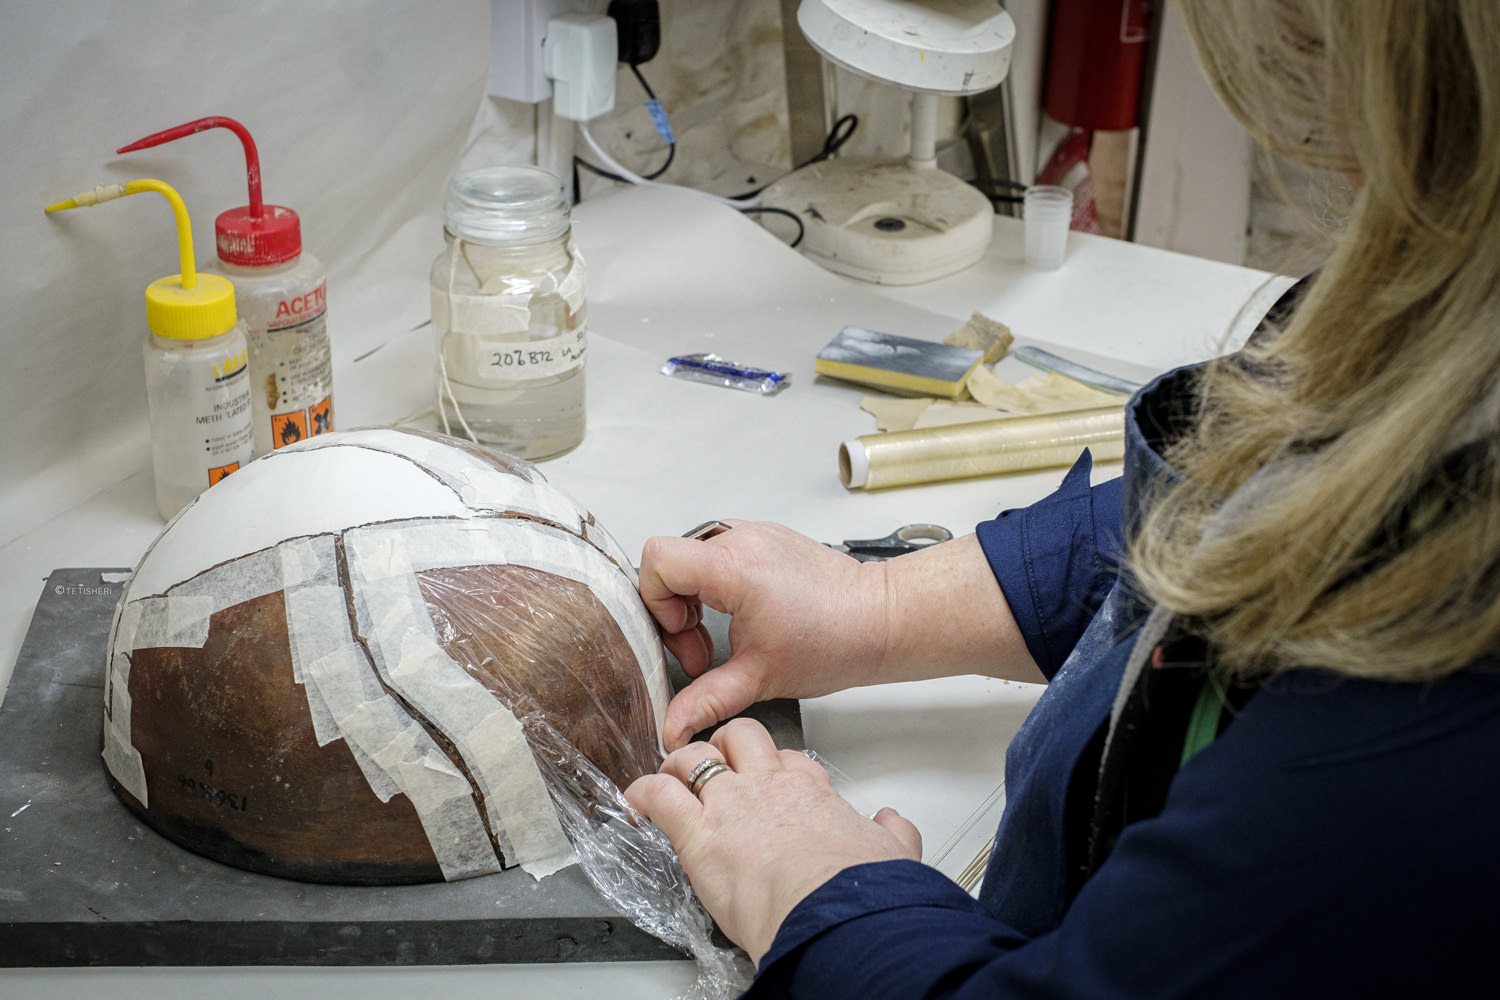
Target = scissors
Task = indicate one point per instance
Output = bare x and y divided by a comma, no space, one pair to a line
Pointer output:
907,538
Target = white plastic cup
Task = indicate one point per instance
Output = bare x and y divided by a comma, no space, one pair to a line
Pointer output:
1048,213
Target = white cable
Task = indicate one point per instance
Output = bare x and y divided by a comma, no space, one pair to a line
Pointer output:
442,350
634,178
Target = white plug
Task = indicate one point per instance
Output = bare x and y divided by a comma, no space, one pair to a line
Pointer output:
579,54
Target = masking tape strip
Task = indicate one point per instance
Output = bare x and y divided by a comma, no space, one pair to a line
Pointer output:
120,754
605,542
171,622
124,762
394,615
324,646
491,742
571,287
119,698
317,621
404,645
300,561
111,654
516,782
388,602
453,312
311,563
444,543
125,627
342,685
407,759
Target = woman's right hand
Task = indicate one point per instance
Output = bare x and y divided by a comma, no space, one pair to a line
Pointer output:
806,620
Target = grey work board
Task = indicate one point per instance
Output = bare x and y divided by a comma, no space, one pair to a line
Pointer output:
83,882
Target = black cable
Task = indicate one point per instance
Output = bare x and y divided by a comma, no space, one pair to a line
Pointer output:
600,171
1017,187
801,229
842,130
836,138
650,94
998,182
672,146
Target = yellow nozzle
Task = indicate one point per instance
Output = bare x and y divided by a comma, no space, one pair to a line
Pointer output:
183,306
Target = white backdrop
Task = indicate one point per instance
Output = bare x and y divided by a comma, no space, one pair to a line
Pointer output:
360,110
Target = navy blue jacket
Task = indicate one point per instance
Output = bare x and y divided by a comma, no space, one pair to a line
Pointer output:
1339,837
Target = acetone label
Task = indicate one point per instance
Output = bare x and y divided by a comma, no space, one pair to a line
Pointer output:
296,310
291,368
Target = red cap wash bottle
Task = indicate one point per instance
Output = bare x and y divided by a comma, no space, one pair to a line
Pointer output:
282,299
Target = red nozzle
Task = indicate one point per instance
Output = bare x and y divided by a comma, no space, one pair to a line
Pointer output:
249,236
252,158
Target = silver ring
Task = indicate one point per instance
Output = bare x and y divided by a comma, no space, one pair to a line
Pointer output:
700,767
706,772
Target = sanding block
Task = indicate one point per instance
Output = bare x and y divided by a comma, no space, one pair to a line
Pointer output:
902,365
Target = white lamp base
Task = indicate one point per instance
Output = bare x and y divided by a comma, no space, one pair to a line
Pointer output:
885,221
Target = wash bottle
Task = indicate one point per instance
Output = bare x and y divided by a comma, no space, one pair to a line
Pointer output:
197,387
281,298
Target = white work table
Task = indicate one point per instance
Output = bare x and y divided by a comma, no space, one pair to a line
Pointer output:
670,273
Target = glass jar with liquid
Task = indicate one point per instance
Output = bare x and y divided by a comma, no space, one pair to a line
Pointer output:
508,314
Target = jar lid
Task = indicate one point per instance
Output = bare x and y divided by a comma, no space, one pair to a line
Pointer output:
506,205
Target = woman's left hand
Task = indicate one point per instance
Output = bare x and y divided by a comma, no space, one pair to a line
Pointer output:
757,839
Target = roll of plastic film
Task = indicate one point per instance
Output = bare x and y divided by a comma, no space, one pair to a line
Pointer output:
992,447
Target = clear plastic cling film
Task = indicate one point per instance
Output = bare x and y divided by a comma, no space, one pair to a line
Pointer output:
714,370
633,864
626,858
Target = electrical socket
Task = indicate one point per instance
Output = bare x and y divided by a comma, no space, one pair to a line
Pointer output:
580,54
517,28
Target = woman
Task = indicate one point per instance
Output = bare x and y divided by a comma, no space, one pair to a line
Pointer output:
1265,763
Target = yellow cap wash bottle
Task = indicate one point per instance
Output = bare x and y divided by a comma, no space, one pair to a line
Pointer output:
197,387
282,300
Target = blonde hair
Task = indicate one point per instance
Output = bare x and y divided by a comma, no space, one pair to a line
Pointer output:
1339,500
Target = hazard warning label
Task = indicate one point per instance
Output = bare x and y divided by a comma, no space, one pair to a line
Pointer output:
214,475
288,428
320,416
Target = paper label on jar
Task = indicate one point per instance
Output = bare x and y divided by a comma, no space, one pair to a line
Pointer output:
501,359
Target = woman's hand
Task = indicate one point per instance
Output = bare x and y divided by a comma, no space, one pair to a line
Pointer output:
807,620
756,840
